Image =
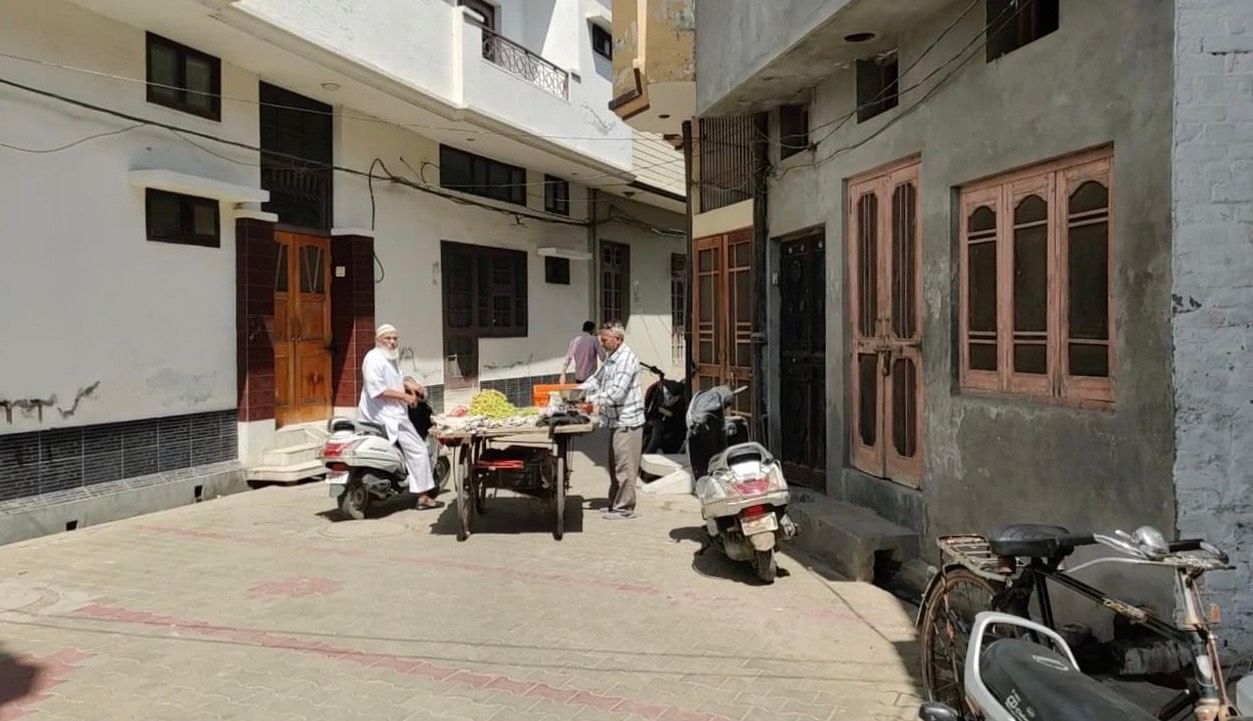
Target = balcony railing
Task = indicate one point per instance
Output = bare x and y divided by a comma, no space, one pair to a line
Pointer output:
516,59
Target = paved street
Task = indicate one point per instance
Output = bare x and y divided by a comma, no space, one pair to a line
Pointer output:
264,606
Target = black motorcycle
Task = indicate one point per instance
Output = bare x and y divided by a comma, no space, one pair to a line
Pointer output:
665,411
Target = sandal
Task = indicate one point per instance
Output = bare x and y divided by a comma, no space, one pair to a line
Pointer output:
429,506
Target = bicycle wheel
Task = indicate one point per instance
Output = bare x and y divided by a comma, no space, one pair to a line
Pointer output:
949,615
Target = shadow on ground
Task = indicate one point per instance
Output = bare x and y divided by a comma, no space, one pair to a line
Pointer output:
19,681
389,506
507,513
709,560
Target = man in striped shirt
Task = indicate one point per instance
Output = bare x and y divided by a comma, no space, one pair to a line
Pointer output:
615,390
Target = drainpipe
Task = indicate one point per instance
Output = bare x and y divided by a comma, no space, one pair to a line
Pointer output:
593,275
689,364
761,241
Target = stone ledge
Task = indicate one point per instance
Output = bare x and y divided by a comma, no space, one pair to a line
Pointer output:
846,536
35,516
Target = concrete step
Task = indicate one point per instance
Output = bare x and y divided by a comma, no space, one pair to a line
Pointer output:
663,464
286,474
300,434
669,473
292,455
849,537
677,483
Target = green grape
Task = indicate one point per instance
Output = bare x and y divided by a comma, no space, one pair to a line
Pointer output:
491,404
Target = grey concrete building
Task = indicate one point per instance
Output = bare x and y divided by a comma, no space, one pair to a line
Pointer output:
1027,230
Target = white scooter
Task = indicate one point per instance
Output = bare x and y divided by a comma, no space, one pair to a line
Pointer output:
742,491
362,465
1026,671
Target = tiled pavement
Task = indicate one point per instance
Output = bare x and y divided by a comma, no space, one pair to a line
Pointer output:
261,606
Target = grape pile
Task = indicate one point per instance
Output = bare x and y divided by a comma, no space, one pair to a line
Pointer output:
492,404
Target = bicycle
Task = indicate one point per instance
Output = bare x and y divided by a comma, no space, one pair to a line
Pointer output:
1008,569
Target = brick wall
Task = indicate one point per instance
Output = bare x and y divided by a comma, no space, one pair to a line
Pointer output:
256,256
1212,291
352,314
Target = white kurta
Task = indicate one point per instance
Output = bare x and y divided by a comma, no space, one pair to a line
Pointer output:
379,374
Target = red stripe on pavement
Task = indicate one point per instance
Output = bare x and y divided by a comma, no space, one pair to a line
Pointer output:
405,665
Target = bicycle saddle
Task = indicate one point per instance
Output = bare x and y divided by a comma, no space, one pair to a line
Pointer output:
1042,685
1035,540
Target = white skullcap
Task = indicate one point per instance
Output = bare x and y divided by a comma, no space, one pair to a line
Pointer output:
385,329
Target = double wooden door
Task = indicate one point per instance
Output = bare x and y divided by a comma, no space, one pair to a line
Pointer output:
885,287
722,310
302,328
802,359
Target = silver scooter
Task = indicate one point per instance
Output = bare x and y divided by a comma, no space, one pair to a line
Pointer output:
1018,670
362,465
742,491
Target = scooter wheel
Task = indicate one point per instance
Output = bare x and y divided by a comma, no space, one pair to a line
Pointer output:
763,563
354,501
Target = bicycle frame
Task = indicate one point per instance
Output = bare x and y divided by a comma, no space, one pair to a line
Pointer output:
1208,697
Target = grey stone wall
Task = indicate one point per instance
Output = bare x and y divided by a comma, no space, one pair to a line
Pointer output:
1212,291
1105,77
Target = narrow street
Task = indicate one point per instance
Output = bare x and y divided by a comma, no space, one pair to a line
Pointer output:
265,606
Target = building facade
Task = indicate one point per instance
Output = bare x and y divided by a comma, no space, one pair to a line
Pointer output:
996,258
212,204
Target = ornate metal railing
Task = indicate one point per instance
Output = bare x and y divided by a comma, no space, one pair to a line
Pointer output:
525,64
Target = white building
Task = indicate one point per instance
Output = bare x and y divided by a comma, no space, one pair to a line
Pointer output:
185,272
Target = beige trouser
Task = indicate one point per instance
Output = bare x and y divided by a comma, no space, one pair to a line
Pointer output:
626,445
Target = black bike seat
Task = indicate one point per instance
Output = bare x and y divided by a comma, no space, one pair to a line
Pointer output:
374,428
1045,686
1035,540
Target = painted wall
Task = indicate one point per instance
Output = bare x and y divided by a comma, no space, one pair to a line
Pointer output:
411,41
433,46
739,37
1210,299
993,460
649,327
88,300
409,227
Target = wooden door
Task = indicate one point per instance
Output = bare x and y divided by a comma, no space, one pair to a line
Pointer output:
802,359
722,310
302,328
885,285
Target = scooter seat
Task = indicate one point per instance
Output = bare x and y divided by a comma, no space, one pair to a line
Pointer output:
374,428
1045,687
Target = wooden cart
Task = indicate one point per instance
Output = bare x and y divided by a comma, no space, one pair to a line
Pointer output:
475,469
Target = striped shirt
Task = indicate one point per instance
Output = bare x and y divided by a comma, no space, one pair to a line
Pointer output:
615,388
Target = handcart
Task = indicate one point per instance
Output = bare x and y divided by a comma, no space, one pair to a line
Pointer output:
534,461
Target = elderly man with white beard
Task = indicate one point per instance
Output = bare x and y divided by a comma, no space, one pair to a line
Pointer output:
384,400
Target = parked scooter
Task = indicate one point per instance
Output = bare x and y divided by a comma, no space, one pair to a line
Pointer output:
362,465
665,409
1015,676
742,491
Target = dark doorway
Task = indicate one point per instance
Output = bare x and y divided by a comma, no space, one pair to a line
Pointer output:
802,350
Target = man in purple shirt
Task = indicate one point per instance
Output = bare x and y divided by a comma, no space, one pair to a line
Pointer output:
585,352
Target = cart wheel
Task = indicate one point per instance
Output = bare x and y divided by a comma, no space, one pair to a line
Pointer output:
464,506
559,498
480,498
